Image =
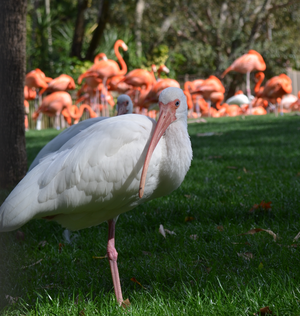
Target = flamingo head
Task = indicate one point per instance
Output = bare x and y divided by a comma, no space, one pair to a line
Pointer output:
124,46
259,75
42,74
173,107
164,69
120,43
124,104
102,56
153,67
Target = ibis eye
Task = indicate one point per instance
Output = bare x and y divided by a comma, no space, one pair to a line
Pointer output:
127,103
177,103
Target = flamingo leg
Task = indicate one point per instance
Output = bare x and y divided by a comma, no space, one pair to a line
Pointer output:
62,121
39,122
209,106
136,96
103,93
248,90
97,103
36,101
103,103
112,257
56,121
248,84
40,99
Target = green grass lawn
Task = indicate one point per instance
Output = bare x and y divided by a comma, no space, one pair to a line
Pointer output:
207,267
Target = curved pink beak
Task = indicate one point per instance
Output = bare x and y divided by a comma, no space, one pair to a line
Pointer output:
166,117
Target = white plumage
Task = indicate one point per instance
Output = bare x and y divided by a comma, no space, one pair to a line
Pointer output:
96,175
57,142
238,99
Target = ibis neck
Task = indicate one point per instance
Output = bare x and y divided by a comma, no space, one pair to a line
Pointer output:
178,144
176,161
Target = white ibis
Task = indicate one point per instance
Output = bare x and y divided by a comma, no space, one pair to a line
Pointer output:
238,99
105,170
124,106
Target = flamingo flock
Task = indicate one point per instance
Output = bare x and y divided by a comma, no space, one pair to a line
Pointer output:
273,95
106,78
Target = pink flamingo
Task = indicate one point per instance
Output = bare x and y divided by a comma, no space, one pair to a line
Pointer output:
275,88
54,103
252,61
61,83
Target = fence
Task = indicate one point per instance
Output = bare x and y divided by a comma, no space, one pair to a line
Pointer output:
295,77
48,122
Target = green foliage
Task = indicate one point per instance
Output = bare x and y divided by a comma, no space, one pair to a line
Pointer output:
191,37
71,66
159,55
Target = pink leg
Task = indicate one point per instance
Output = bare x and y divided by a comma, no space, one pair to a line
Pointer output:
248,91
112,257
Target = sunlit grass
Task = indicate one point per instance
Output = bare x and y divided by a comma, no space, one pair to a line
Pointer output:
247,161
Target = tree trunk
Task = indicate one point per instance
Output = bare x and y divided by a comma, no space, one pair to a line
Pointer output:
79,30
102,20
139,10
13,161
49,31
35,4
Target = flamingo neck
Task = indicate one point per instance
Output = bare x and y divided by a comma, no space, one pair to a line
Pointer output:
202,104
218,105
188,99
159,72
74,114
260,80
153,70
189,85
96,59
143,94
123,69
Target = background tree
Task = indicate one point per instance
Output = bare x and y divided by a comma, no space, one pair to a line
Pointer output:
13,161
140,6
79,30
191,37
103,18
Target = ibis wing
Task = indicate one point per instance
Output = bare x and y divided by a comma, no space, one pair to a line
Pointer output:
56,143
101,162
